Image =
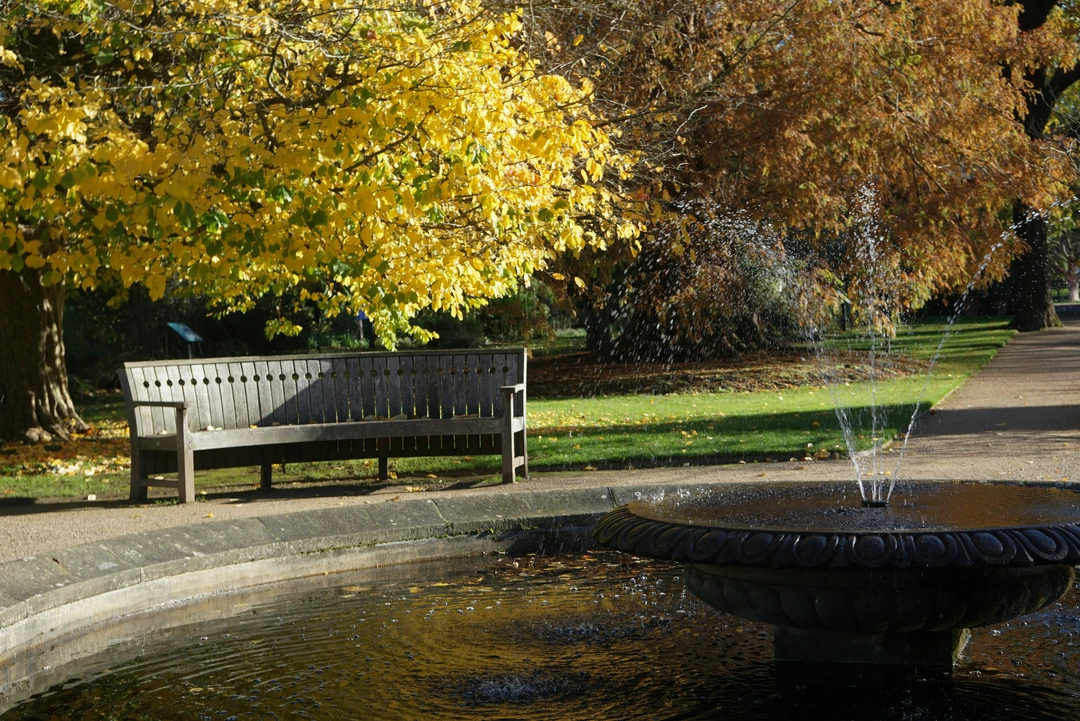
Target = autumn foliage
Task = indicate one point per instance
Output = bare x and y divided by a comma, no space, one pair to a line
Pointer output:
795,110
397,158
379,159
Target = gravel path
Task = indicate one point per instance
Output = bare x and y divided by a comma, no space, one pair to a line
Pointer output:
1018,419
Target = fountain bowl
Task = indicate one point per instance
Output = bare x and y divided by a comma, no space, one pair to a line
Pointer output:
845,583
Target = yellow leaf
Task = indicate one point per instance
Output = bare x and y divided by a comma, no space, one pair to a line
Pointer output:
156,285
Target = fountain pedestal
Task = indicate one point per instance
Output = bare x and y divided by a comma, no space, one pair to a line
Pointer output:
891,587
931,651
916,617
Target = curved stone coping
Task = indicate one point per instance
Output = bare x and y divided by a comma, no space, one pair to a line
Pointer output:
112,628
624,530
46,597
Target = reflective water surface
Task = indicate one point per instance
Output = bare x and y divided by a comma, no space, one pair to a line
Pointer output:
598,636
836,507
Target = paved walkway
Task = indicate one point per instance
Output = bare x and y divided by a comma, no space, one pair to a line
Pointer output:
1018,419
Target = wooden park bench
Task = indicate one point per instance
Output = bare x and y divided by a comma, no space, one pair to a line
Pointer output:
235,412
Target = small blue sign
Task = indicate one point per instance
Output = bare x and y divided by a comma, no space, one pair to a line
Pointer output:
186,333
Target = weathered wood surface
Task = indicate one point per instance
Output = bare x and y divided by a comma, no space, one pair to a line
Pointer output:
322,407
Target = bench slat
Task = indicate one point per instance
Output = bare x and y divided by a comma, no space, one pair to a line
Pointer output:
483,380
382,404
292,411
472,385
146,418
392,380
191,395
255,391
356,405
446,387
429,380
405,384
319,391
201,392
335,390
498,379
240,437
307,410
514,376
216,411
367,386
460,386
328,386
177,393
225,394
168,391
277,392
240,391
213,392
408,387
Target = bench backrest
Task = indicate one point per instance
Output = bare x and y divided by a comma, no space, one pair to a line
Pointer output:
231,393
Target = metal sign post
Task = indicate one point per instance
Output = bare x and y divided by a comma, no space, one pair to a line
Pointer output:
188,335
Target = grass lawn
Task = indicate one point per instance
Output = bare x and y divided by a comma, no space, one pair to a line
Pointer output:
606,431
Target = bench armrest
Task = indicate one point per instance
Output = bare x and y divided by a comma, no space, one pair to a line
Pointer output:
160,404
514,405
180,408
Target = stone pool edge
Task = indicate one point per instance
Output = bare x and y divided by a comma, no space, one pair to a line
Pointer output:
44,598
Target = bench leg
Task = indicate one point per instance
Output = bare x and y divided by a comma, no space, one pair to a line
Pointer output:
185,457
185,471
266,475
524,453
384,468
508,440
139,492
508,457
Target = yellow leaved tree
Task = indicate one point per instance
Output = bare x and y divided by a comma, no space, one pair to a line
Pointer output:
386,158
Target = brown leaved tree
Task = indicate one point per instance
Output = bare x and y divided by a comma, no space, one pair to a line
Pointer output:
795,110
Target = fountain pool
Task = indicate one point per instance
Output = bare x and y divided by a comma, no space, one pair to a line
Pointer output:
594,636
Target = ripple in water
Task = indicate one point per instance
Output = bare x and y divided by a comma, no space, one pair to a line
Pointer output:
602,636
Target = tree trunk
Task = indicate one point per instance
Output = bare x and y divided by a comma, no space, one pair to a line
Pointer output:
1074,288
597,327
1033,304
34,401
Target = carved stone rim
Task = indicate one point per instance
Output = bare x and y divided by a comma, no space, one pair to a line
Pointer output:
961,548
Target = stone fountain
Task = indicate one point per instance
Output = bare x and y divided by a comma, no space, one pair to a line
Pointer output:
852,583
